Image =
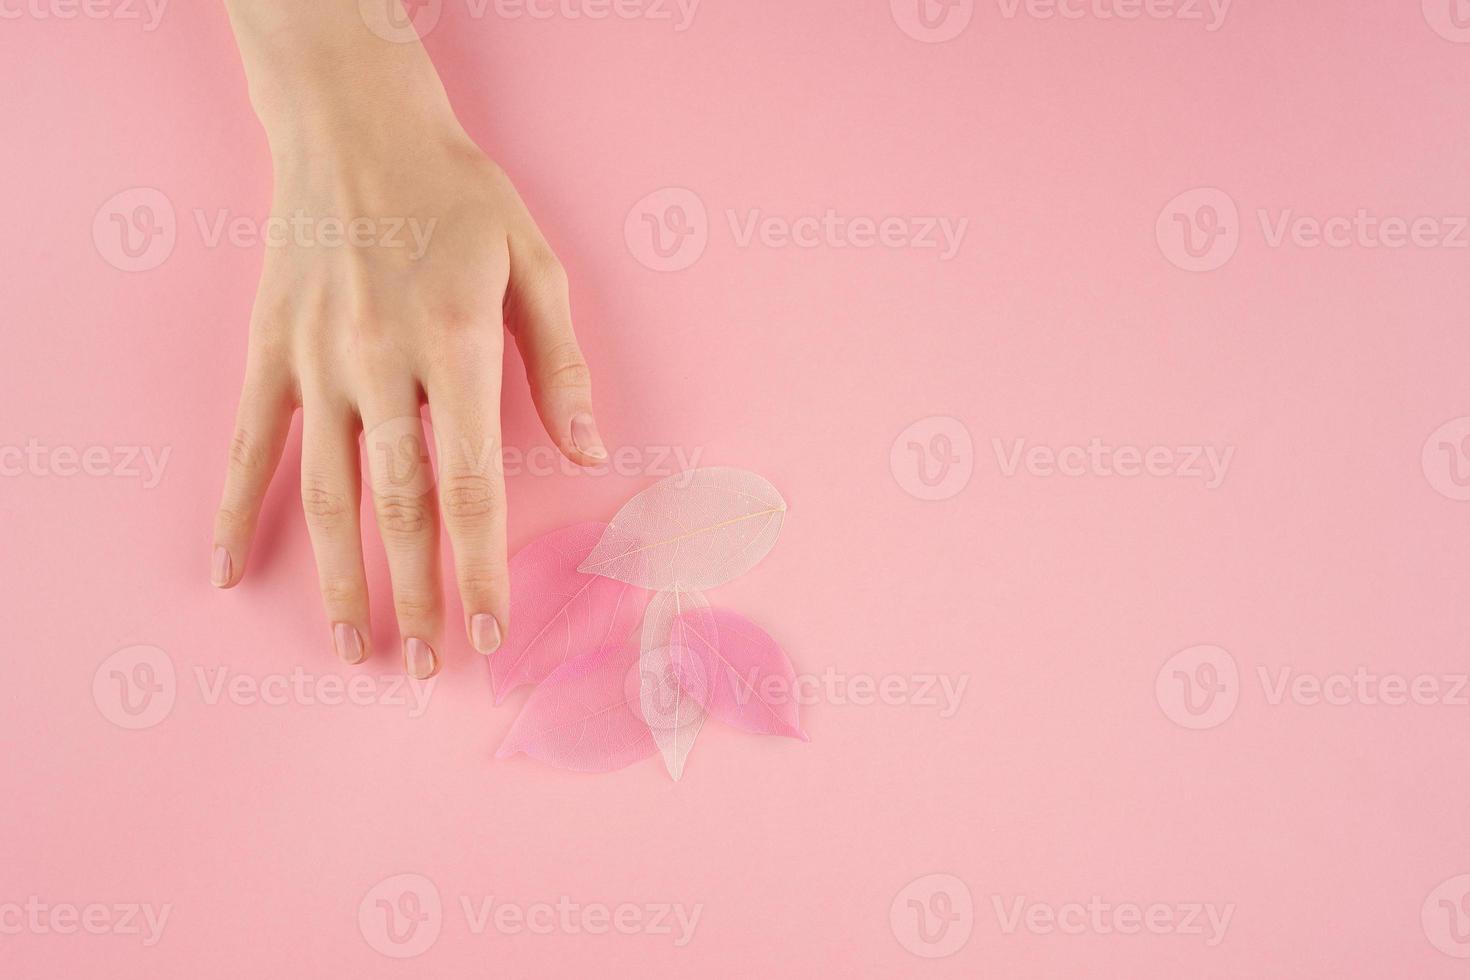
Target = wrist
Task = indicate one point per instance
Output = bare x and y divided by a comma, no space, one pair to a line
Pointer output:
320,81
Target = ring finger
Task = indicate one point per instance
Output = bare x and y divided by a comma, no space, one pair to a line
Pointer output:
402,482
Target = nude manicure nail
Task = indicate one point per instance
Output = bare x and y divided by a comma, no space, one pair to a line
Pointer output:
419,658
585,437
220,569
485,633
349,643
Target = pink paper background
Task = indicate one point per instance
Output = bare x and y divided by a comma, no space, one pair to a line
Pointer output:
1328,547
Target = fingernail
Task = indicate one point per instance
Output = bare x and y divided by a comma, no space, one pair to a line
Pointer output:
349,643
585,437
219,572
419,658
485,633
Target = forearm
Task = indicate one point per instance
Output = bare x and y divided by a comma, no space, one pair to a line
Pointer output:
321,78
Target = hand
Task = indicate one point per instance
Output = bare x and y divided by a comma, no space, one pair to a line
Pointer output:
398,251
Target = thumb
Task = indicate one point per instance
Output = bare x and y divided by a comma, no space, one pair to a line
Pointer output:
539,315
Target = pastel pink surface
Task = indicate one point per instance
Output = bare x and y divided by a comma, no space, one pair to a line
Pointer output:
744,678
1059,776
584,716
557,612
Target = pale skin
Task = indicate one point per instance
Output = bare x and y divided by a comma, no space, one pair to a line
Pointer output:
360,334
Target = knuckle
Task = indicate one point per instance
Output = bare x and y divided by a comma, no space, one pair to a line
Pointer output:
491,171
458,319
482,582
564,367
401,515
341,593
469,498
415,605
377,355
270,334
326,508
542,273
228,520
550,275
247,453
464,349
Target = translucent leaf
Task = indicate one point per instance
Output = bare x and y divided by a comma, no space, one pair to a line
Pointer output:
585,716
692,531
557,612
742,677
669,670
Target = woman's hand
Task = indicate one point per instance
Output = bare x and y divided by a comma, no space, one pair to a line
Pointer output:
397,253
